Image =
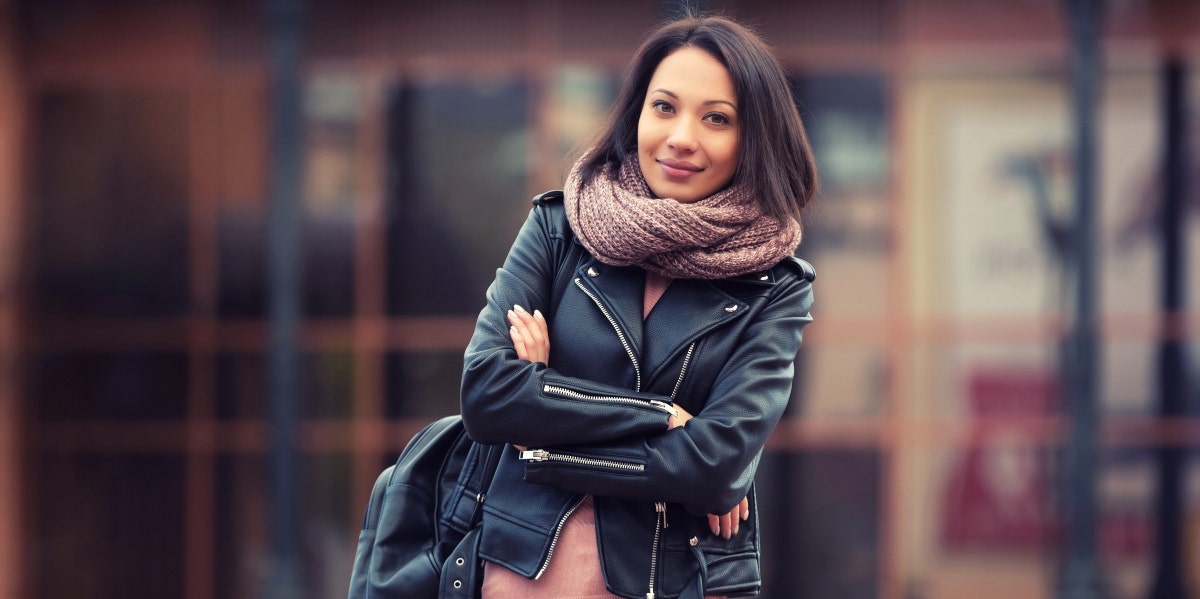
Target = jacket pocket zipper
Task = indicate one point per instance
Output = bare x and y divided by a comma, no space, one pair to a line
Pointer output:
541,455
620,334
564,392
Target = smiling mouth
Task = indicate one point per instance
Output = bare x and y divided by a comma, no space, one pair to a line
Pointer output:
677,169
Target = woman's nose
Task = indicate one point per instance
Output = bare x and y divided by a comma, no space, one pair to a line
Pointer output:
682,136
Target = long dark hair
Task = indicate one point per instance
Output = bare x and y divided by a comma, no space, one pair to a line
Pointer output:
776,160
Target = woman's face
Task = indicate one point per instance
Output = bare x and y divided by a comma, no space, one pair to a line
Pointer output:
688,131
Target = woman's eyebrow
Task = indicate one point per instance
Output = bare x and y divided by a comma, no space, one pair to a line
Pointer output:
706,103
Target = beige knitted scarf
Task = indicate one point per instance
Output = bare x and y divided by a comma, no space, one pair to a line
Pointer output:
724,235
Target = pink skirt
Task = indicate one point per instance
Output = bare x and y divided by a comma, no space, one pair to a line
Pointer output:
574,571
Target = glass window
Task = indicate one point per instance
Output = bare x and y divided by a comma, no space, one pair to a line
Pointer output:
242,521
457,163
326,385
325,551
109,526
110,186
423,385
847,234
117,385
823,510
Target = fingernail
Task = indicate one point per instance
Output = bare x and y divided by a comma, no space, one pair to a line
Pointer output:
519,308
745,516
538,313
715,530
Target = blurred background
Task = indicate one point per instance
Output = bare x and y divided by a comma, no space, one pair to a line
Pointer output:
147,147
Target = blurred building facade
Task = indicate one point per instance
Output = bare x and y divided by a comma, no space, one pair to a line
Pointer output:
922,453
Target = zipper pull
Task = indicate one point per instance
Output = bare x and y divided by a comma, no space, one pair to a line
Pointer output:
535,455
661,508
666,407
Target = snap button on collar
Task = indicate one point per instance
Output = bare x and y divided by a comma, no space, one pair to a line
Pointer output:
732,308
592,272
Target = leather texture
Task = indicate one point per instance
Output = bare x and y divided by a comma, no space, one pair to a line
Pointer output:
723,349
422,511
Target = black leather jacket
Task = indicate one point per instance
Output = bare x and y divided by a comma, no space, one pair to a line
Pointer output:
595,419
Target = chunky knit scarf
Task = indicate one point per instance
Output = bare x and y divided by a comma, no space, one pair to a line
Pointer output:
724,235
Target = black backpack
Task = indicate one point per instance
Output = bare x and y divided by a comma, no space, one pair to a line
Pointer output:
422,516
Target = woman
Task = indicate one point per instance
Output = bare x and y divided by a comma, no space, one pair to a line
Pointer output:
663,278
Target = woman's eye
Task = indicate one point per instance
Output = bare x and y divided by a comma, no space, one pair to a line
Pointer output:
662,106
717,118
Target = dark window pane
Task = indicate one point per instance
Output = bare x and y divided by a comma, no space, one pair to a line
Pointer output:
119,386
424,385
241,386
457,165
242,265
326,387
327,551
109,526
243,536
110,231
846,119
328,267
819,512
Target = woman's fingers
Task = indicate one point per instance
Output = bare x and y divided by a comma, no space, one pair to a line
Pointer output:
532,332
518,342
727,525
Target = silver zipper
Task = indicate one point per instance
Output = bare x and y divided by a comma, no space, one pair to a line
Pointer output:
541,455
660,522
554,540
687,359
620,334
564,392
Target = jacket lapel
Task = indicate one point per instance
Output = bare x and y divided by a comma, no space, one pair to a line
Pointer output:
618,290
686,311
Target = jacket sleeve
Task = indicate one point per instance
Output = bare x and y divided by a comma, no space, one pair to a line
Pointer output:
708,464
505,399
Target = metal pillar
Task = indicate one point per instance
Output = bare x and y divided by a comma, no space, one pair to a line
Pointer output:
284,19
1172,377
1080,577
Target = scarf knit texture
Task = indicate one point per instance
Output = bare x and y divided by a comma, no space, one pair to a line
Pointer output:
726,234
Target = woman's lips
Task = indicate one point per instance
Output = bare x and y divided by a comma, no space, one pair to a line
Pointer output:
678,169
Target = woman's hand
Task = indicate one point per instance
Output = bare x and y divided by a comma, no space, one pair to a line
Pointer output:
679,418
727,525
529,334
530,337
